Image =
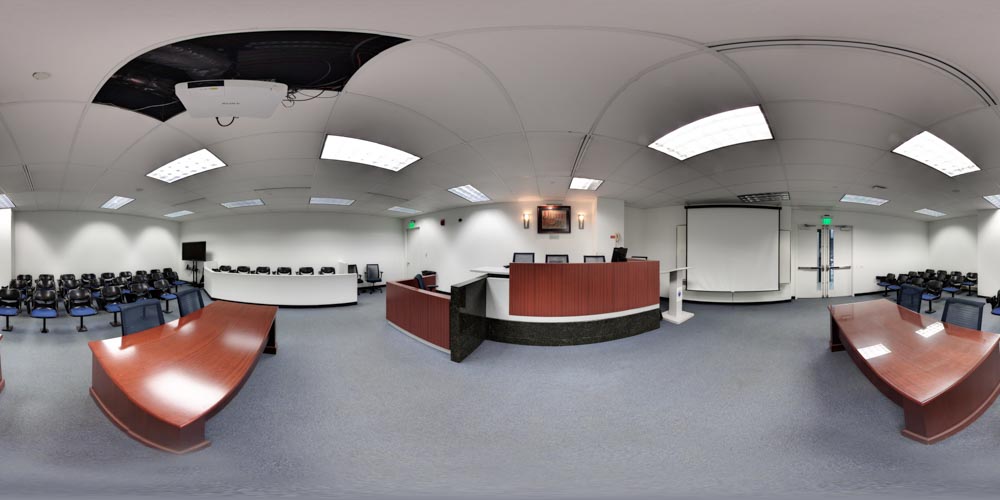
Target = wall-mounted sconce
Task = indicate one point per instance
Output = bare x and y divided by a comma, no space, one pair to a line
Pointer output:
526,217
579,217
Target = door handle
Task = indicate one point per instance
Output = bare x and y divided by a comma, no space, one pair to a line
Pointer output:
841,267
808,268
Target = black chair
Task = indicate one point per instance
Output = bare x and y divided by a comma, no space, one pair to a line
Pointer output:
243,269
951,286
111,300
126,274
10,305
80,304
886,282
327,270
161,291
963,312
26,277
140,277
263,270
21,286
90,281
43,305
152,271
106,278
174,279
593,258
353,269
971,280
556,259
373,276
46,277
225,269
305,271
140,291
931,293
154,277
168,270
45,284
524,257
189,301
639,257
283,271
140,316
421,284
918,281
63,278
909,296
69,285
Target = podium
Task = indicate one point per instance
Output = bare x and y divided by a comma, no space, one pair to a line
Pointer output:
675,292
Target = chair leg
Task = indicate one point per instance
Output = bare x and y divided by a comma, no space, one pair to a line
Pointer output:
114,320
44,326
81,328
168,306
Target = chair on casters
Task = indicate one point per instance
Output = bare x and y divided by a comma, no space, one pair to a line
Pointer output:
189,301
963,312
111,301
524,257
283,271
243,269
556,259
910,297
141,315
372,276
305,271
639,257
263,270
161,291
323,271
931,293
593,258
80,304
10,305
353,269
423,285
43,305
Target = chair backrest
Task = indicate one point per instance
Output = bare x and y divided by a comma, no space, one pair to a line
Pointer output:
909,297
420,281
372,273
64,277
283,270
46,284
556,259
352,269
46,277
126,274
111,294
918,281
43,299
189,301
963,312
10,297
168,270
155,277
327,270
225,269
107,276
934,286
154,271
141,315
639,257
161,285
526,257
70,284
121,281
243,269
78,298
263,269
139,288
306,270
593,258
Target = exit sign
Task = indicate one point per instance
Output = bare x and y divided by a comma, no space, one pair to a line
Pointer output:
827,220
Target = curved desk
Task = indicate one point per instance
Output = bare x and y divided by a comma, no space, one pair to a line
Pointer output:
943,381
161,385
283,290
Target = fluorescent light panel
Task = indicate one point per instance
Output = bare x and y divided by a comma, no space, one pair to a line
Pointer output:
117,202
994,199
717,131
243,203
930,150
367,152
932,213
404,210
195,163
469,193
584,183
317,200
864,200
763,197
181,213
5,201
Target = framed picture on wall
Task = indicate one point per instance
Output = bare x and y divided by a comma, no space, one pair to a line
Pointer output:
554,219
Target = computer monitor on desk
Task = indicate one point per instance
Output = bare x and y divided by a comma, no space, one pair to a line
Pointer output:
618,255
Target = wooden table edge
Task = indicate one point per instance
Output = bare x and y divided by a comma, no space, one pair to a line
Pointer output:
138,437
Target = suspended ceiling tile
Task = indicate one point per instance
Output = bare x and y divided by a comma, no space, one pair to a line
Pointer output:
672,176
374,120
276,146
750,154
81,178
157,148
644,164
823,152
838,122
816,172
509,154
554,152
751,175
8,151
106,132
43,131
696,186
603,156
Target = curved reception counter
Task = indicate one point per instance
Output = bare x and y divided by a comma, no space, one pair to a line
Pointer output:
282,290
533,304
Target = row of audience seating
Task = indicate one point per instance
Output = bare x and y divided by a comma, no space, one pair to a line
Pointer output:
529,258
931,283
372,273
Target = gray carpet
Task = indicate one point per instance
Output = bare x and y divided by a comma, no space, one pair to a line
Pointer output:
741,400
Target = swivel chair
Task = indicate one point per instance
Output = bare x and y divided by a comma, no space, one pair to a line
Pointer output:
243,269
189,301
963,312
283,271
263,270
305,271
353,269
556,259
524,257
327,270
909,296
373,276
141,315
593,258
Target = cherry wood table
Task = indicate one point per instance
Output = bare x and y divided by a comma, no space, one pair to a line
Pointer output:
943,382
161,385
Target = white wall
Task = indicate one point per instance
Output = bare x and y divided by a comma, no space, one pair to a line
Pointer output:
987,261
6,246
301,239
954,244
56,242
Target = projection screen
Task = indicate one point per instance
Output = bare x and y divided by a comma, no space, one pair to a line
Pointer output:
732,249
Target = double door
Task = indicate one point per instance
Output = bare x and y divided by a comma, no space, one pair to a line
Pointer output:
824,258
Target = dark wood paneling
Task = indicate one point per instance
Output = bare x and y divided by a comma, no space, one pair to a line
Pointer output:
943,382
583,289
161,385
420,313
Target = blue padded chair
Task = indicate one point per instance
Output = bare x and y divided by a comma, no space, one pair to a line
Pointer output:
951,286
932,292
909,296
963,312
141,315
139,290
885,282
80,304
10,305
189,301
111,300
43,305
45,284
175,280
161,290
970,282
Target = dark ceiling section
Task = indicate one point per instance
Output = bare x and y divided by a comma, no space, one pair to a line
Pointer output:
323,60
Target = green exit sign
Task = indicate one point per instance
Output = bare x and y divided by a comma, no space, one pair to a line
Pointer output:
827,220
413,224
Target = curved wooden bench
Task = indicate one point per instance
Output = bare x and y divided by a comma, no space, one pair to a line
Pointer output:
161,385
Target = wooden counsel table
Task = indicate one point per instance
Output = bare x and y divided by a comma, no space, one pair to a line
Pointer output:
943,382
161,385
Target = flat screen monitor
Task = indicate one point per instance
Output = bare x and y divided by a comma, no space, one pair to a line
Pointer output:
618,254
194,250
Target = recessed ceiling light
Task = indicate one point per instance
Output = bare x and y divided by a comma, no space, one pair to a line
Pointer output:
763,197
41,75
469,193
932,213
584,183
243,203
717,131
404,210
316,200
5,201
864,200
994,199
117,202
367,152
181,213
930,150
195,163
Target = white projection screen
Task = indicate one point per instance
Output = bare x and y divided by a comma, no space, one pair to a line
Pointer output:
732,249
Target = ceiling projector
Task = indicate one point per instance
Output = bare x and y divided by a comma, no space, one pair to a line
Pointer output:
231,98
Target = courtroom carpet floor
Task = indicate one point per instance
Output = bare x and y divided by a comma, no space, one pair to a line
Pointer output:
743,400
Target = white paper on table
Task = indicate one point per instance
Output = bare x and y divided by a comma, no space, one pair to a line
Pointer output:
873,351
931,329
